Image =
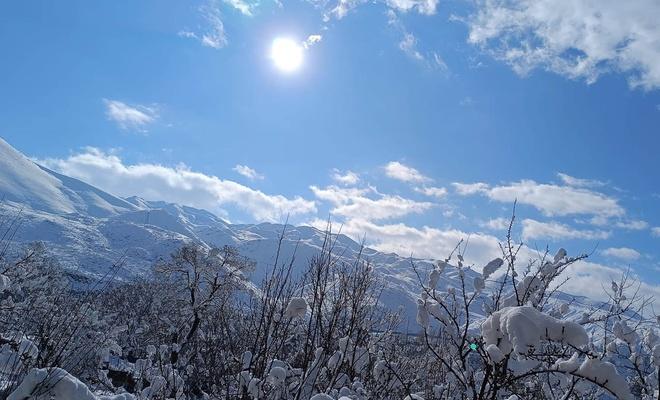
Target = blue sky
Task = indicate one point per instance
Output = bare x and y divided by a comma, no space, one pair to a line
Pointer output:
416,98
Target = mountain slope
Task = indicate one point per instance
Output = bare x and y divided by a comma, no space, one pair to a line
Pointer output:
24,182
88,230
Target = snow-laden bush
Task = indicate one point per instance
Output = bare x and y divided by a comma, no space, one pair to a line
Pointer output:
197,329
522,328
505,334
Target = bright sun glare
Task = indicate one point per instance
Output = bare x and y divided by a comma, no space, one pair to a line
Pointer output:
287,54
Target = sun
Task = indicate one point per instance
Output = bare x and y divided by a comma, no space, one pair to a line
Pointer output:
287,54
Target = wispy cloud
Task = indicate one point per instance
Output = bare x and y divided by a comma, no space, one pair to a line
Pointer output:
178,185
133,117
356,203
345,178
409,43
532,229
244,7
424,242
341,9
550,199
632,225
466,101
579,182
212,34
312,40
622,253
496,224
432,191
466,189
426,7
404,173
588,279
248,172
655,231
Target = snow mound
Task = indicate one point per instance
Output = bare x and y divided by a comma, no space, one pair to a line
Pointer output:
604,373
57,384
297,307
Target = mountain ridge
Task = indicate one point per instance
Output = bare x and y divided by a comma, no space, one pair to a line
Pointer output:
89,230
26,182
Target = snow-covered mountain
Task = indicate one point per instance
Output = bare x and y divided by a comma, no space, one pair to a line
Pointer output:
89,230
22,181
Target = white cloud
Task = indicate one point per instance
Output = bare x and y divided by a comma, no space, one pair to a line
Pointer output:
362,211
586,278
579,182
591,280
557,200
248,172
633,225
337,195
404,173
432,191
244,7
213,35
580,39
627,224
466,189
130,117
346,178
426,7
312,40
497,224
425,242
341,8
551,200
353,203
655,231
623,253
178,185
532,229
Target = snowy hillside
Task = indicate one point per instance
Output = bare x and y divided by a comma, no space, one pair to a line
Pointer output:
88,230
24,182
